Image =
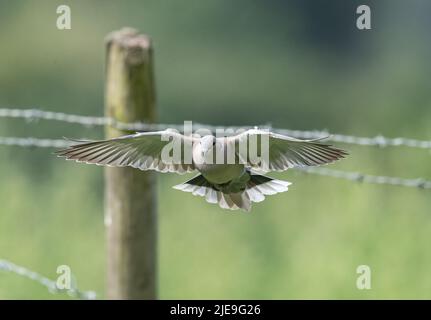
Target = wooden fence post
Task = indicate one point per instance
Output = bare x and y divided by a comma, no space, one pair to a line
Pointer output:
130,194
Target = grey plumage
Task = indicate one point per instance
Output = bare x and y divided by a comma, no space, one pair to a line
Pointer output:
232,185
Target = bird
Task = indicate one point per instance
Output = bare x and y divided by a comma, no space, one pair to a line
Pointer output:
234,183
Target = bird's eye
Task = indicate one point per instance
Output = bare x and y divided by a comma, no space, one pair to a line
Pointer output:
214,143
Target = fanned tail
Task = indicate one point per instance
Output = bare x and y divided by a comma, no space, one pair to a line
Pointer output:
256,188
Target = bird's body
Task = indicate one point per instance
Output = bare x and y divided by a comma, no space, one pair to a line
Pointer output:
221,173
229,179
218,173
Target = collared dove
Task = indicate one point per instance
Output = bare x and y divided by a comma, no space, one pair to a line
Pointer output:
232,185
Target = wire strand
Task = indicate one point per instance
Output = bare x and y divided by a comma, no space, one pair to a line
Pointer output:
380,141
51,285
34,142
419,183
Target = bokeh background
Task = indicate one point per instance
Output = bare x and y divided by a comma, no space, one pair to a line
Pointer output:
295,64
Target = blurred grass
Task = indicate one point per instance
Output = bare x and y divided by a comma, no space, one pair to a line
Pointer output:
225,63
306,243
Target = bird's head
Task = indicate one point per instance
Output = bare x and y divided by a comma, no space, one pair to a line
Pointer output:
207,143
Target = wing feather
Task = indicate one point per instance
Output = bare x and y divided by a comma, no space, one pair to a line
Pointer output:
287,152
141,150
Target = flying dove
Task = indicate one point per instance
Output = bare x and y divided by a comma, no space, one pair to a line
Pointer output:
233,185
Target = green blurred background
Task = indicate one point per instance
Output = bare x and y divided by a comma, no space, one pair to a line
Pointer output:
295,64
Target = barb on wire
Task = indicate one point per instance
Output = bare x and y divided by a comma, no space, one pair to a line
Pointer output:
419,183
380,141
48,283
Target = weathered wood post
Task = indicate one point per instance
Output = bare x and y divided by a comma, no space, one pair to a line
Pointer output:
130,194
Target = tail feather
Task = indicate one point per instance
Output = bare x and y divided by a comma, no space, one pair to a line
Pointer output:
255,195
241,200
257,187
225,201
211,195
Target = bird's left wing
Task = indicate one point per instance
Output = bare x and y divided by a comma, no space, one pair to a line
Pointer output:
143,150
284,152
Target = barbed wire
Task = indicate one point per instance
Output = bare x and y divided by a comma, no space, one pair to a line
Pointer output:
420,183
34,142
380,141
48,283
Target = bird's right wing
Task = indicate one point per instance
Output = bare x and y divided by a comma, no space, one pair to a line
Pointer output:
285,152
143,150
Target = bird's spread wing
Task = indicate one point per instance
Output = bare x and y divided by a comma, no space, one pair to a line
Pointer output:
141,150
284,152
